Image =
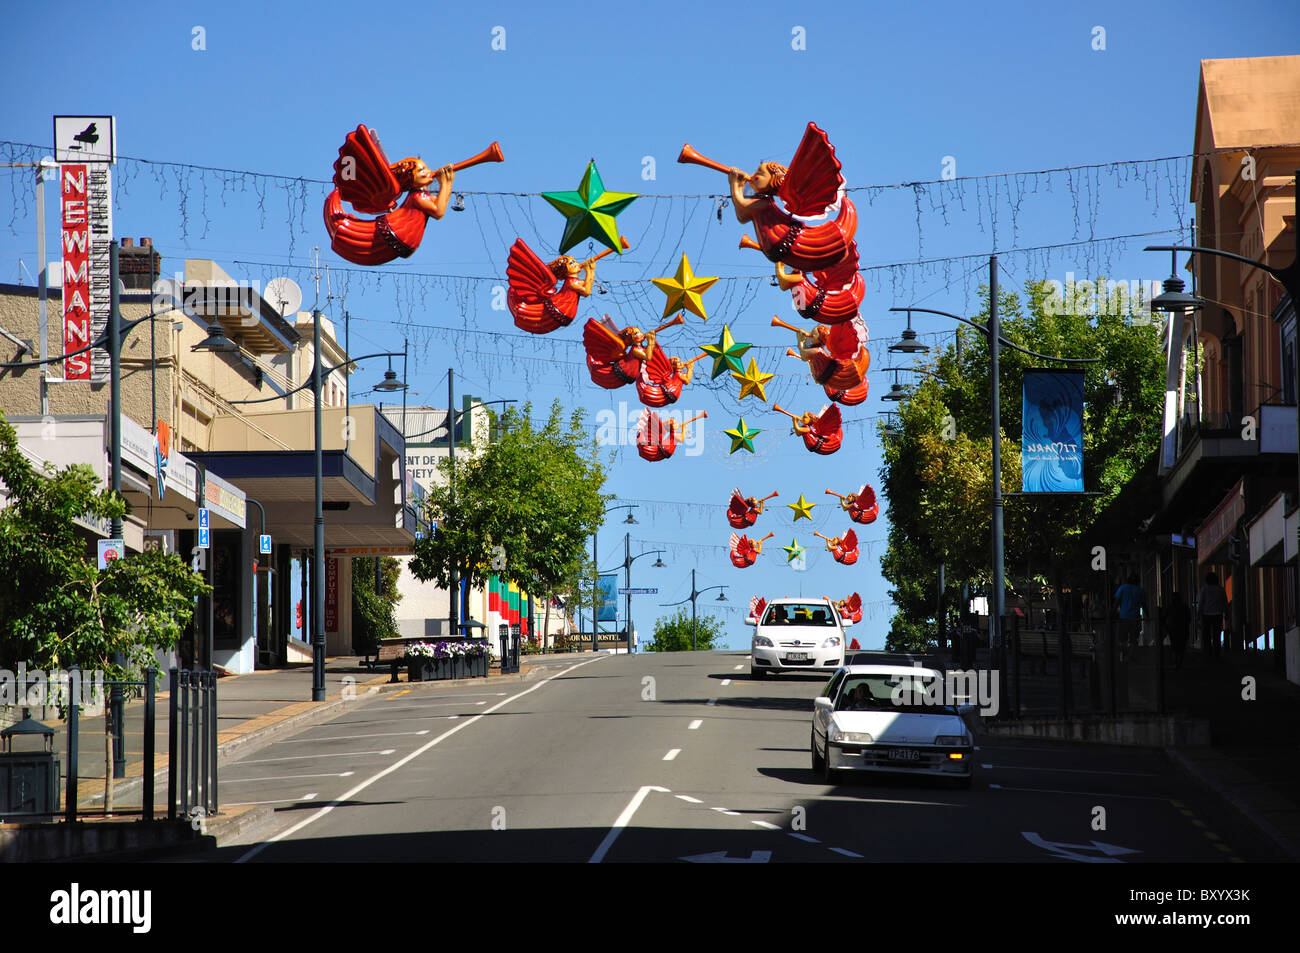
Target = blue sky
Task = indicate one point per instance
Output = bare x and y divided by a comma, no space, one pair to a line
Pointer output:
998,88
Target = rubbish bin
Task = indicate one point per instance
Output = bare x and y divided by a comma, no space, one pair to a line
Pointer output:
29,780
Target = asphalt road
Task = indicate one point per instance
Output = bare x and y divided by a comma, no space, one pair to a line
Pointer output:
651,758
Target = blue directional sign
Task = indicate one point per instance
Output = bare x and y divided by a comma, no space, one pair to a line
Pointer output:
203,517
203,537
264,544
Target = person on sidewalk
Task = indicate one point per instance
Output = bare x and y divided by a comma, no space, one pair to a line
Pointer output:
1130,606
1176,621
1212,605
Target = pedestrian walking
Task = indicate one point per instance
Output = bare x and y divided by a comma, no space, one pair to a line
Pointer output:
1130,607
1177,622
1211,606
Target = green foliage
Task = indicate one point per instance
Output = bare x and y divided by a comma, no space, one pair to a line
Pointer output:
57,609
938,470
372,612
673,634
523,507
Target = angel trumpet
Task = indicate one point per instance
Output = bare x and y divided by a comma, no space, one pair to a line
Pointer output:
791,352
747,242
675,321
827,538
698,416
609,251
688,154
780,410
770,495
492,153
765,538
833,493
778,323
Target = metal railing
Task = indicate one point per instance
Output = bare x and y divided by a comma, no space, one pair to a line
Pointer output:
192,744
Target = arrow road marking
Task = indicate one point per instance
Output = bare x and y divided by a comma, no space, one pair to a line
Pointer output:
690,800
720,857
1070,850
622,821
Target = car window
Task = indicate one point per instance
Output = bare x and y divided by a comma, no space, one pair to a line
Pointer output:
887,693
810,614
833,684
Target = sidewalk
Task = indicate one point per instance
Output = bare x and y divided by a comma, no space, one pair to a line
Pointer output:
1252,760
252,711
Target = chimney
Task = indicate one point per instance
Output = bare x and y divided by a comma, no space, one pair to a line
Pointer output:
146,243
128,242
139,266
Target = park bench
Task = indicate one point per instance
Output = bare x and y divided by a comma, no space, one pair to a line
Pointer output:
393,651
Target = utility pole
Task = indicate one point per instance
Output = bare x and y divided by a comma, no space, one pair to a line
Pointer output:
453,595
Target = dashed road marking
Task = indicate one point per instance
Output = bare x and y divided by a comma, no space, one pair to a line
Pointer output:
768,824
672,754
313,757
695,724
381,734
803,837
845,852
726,681
687,797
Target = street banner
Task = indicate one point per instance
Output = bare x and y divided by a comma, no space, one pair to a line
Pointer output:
1051,447
608,599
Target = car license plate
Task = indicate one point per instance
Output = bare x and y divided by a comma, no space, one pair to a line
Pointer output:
904,754
797,657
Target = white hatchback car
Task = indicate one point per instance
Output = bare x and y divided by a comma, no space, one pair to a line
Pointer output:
889,718
797,635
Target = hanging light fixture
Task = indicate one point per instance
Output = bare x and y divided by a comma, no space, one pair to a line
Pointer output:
897,391
658,563
390,381
216,341
909,344
631,520
459,204
1174,298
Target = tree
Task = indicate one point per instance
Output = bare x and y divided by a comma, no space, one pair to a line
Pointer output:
57,609
673,634
522,508
372,612
938,469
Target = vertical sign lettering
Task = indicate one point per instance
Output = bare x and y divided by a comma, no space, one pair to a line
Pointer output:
331,594
76,271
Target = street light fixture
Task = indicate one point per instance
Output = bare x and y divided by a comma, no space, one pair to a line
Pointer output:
897,392
216,341
909,344
628,560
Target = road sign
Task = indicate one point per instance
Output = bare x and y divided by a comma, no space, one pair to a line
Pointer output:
638,592
264,542
203,517
85,139
203,538
110,550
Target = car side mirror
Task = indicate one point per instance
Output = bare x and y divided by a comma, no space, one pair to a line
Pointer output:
821,701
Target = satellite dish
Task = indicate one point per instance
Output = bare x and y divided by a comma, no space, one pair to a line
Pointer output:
284,295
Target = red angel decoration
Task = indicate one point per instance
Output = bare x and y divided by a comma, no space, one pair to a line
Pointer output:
861,506
364,178
614,357
836,354
837,294
756,606
850,609
811,187
843,548
535,303
822,433
662,377
744,511
656,440
744,551
850,397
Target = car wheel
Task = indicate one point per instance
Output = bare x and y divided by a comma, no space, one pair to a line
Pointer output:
962,784
829,775
758,673
817,761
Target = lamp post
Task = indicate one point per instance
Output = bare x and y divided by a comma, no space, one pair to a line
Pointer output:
993,331
595,595
695,594
628,560
318,538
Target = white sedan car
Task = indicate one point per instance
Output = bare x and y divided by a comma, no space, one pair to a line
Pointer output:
889,718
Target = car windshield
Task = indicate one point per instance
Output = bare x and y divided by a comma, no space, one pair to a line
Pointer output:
901,693
791,613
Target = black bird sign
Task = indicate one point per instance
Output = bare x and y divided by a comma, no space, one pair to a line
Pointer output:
88,135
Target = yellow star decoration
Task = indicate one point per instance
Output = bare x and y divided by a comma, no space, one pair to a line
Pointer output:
753,381
802,508
685,290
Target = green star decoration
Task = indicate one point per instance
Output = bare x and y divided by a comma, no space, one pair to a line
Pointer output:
590,211
726,354
742,436
793,551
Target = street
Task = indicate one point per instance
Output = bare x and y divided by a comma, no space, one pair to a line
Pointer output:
684,757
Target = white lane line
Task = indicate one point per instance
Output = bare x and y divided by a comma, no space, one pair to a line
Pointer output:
846,853
622,821
803,837
723,810
711,701
726,681
347,796
285,777
484,702
381,734
768,824
687,797
312,757
672,754
1118,774
695,724
1132,797
739,667
283,800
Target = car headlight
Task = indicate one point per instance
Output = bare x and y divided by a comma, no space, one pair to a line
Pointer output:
858,738
762,641
950,741
831,642
833,733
